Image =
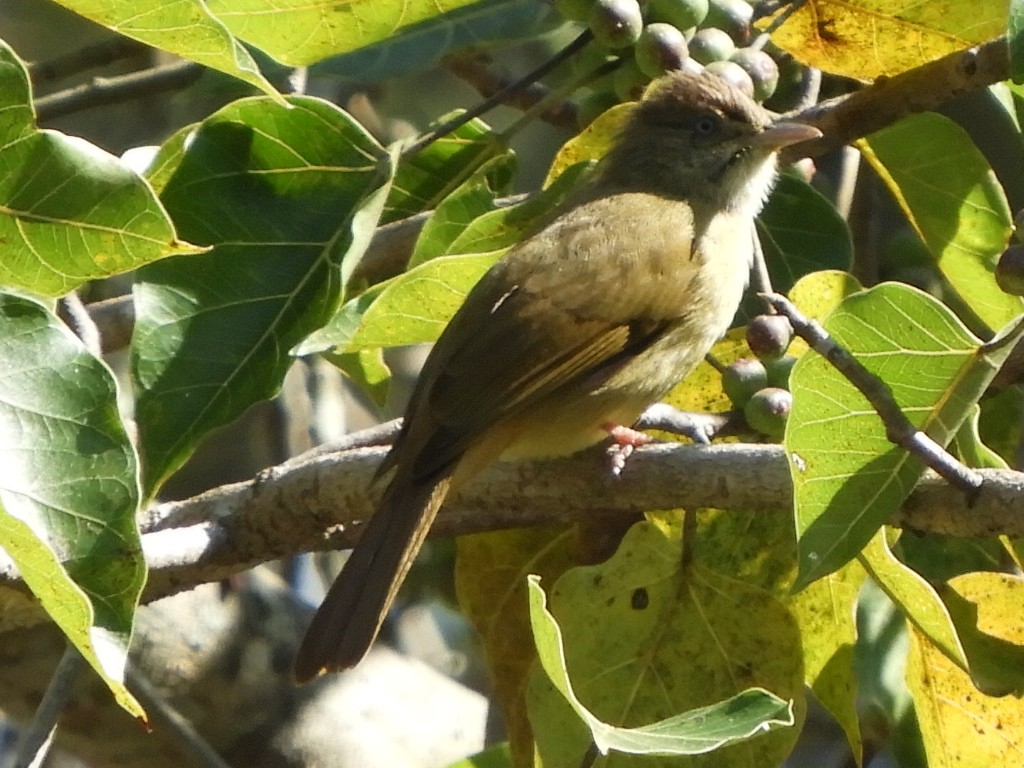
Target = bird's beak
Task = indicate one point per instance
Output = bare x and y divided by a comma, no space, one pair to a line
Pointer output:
783,134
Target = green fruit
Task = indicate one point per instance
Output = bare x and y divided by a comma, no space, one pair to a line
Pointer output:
1010,270
733,74
779,370
616,23
742,379
768,410
710,45
732,16
761,67
660,49
629,81
681,14
769,336
574,10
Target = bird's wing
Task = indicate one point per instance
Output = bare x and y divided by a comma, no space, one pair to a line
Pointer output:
564,309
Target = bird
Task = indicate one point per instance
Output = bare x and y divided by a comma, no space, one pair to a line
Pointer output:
575,331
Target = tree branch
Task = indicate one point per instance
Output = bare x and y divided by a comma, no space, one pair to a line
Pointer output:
112,90
886,101
319,500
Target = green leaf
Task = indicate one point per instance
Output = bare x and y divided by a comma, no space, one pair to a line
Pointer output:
367,370
497,756
421,47
69,490
414,307
1015,40
69,212
288,198
644,640
970,448
425,178
190,30
475,197
801,232
951,197
825,611
915,598
847,477
300,33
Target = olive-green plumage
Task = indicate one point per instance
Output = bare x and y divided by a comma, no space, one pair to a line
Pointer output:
578,328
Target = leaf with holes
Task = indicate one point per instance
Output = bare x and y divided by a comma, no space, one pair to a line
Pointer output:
644,641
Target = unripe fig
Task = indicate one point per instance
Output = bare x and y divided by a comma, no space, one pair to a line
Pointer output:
660,49
768,410
1010,270
616,23
732,16
733,74
742,379
769,336
779,370
629,81
710,45
761,67
681,14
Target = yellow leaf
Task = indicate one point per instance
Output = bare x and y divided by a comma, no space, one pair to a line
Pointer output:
867,39
962,727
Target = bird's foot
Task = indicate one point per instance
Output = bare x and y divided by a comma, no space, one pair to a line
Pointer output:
625,441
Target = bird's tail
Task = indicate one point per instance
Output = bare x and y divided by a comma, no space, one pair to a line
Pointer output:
350,617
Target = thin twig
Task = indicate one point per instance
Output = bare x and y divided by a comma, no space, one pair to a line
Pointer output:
500,96
36,739
759,277
886,101
192,745
781,19
112,90
810,88
88,57
898,429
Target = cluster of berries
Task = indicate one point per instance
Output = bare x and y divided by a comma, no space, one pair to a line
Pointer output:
651,37
759,385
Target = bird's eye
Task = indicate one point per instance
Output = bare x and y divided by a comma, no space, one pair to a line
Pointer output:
705,126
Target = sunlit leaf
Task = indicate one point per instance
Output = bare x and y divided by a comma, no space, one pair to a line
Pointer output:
288,198
490,583
953,200
426,177
961,726
68,487
848,478
69,212
421,47
867,39
187,29
644,641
